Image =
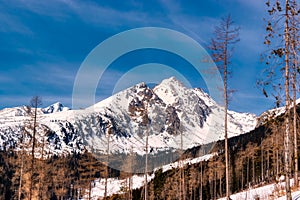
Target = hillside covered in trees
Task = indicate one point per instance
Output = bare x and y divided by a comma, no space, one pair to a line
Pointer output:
256,159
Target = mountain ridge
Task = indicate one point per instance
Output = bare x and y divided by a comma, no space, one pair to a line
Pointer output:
172,109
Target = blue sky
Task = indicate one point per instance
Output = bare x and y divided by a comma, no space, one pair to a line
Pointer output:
43,43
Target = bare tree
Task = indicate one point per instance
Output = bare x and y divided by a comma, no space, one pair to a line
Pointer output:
23,145
295,69
226,35
34,104
109,133
287,104
21,174
280,32
181,168
127,168
201,180
146,149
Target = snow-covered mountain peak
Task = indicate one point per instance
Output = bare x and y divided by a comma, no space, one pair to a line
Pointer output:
56,107
170,90
121,100
172,106
167,111
172,82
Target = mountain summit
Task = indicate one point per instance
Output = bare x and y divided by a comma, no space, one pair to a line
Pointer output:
56,107
167,111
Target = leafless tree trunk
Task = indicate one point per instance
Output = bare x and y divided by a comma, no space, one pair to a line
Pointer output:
286,10
295,130
248,166
107,161
131,172
225,126
262,161
294,49
182,178
253,169
287,104
242,178
146,159
220,182
35,102
21,174
225,36
201,181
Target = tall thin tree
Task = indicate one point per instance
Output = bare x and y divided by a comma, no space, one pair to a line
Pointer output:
225,36
34,104
295,70
109,133
279,29
181,169
146,149
287,104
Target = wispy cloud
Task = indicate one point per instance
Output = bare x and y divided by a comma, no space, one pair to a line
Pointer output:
253,4
198,27
250,46
60,74
5,79
10,23
55,9
101,16
43,42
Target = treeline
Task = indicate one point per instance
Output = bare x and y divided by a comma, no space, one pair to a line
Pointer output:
256,158
56,177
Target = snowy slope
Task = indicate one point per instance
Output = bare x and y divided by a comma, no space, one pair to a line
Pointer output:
172,110
270,191
198,111
114,185
23,110
272,113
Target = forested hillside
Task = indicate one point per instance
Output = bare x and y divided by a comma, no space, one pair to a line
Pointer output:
256,159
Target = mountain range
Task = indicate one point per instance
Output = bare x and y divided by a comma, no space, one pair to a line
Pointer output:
173,116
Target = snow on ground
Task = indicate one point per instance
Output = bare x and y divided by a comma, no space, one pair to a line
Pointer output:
199,116
263,192
295,195
186,162
267,192
272,113
116,185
